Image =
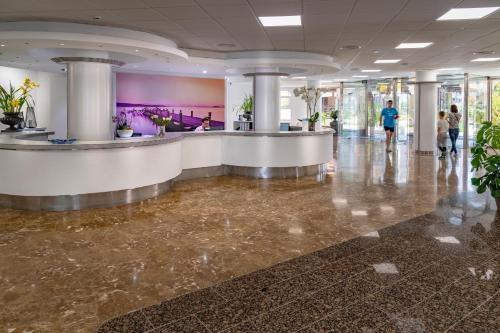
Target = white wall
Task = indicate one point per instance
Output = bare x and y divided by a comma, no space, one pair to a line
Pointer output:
236,89
50,97
298,107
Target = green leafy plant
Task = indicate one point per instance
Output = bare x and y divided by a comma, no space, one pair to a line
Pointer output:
314,118
485,159
334,114
247,105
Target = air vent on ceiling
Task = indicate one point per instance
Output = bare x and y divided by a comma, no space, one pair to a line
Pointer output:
484,52
226,45
350,47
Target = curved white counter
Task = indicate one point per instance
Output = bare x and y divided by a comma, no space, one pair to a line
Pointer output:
44,176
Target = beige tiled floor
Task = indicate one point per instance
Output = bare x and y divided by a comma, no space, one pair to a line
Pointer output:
69,272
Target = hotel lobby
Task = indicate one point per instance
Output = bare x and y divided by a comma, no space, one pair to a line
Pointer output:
249,166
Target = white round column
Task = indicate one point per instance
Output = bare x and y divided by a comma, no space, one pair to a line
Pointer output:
266,92
90,98
426,112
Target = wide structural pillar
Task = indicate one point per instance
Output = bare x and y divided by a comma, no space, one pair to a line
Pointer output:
266,92
426,112
90,97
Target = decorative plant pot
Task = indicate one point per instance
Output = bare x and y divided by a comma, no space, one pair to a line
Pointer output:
125,133
312,127
11,119
247,116
335,126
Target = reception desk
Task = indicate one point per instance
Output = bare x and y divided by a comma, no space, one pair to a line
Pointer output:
44,176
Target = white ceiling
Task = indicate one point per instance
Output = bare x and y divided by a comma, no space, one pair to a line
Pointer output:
328,25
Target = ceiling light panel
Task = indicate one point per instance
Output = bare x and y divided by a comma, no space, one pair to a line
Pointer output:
467,13
371,70
387,61
413,45
280,21
485,59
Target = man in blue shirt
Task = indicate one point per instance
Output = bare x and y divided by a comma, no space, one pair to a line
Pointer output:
389,114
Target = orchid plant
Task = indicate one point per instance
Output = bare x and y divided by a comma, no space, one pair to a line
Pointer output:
311,97
12,100
122,121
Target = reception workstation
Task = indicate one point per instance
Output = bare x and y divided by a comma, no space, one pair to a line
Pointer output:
106,173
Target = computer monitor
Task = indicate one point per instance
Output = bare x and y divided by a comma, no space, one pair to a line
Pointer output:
284,127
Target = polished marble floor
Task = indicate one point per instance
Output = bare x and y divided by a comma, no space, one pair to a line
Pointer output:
74,271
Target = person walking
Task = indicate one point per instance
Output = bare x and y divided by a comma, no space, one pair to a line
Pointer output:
442,134
389,115
454,121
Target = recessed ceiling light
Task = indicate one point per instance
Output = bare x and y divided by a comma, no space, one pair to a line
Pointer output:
204,72
136,50
387,61
449,69
376,51
2,45
97,18
359,76
371,70
485,59
413,45
280,21
299,77
467,13
61,44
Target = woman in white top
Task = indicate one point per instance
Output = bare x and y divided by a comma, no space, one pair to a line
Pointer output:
454,121
442,133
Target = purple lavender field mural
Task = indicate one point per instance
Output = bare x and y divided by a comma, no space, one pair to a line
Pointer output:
140,96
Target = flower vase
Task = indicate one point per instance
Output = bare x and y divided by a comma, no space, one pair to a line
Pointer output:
312,127
30,117
161,132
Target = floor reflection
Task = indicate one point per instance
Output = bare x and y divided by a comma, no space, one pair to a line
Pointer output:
71,271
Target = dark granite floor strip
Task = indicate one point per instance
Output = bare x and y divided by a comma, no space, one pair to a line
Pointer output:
421,275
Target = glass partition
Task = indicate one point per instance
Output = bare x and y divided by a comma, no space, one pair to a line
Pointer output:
354,110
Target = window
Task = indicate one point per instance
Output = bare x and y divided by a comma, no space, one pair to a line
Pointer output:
285,110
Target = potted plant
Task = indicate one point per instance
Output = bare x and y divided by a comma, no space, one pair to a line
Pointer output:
334,124
485,159
247,107
123,126
161,123
311,97
12,101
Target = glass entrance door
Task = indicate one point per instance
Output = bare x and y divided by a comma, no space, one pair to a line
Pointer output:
354,109
477,106
379,92
452,92
405,103
495,101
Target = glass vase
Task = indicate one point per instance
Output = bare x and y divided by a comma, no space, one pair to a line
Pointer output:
30,120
